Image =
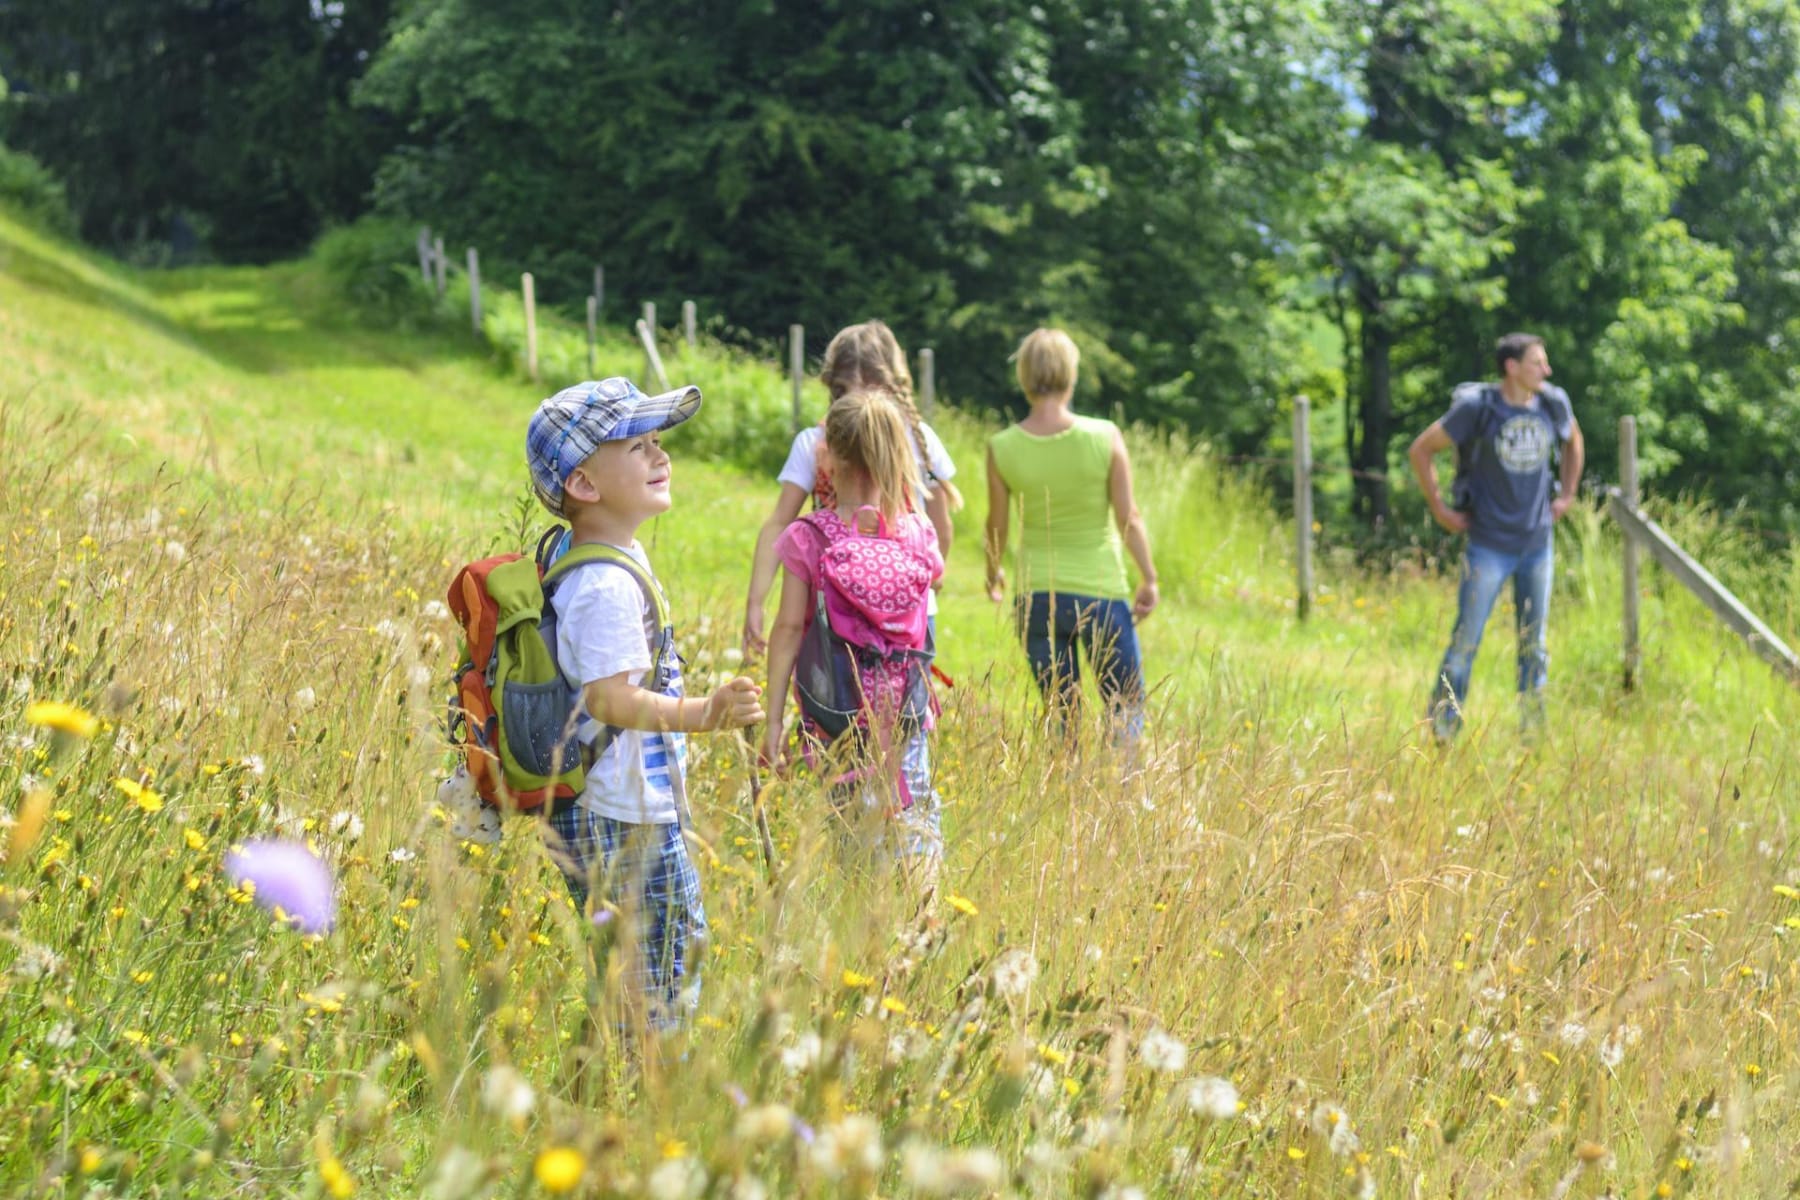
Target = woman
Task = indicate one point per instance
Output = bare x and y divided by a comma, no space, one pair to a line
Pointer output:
1071,479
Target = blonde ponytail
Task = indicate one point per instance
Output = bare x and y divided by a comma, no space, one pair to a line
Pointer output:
867,432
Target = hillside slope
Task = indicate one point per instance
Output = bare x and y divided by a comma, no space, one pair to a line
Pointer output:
227,516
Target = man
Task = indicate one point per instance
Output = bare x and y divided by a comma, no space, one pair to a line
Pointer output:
1506,501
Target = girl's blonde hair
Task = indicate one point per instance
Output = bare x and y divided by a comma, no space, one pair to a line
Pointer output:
868,357
866,431
1047,362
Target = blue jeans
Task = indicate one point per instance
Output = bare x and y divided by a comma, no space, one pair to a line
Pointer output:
1052,624
1484,572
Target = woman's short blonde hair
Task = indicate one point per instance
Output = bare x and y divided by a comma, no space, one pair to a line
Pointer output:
1047,362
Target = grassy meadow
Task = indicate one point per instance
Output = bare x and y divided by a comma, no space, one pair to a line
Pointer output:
1305,953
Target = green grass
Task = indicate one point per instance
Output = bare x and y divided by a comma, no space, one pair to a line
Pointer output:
226,514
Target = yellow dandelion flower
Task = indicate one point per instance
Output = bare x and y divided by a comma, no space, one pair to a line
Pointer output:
892,1005
853,979
1752,1070
28,824
1663,1189
962,904
1051,1054
136,1037
1296,1153
142,976
194,838
337,1180
1684,1164
1071,1086
91,1160
66,718
140,795
1786,892
559,1169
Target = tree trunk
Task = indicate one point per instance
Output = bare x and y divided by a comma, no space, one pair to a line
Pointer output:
1377,420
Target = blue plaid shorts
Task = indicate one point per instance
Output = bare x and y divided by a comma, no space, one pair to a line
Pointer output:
646,873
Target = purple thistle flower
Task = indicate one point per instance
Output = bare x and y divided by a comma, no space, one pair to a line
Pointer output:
288,876
602,917
803,1131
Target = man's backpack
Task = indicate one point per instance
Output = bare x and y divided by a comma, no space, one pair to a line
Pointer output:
1468,453
867,653
514,713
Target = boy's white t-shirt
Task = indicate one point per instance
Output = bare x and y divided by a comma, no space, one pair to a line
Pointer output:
600,613
802,469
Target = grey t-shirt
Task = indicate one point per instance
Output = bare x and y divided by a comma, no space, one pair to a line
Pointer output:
1505,477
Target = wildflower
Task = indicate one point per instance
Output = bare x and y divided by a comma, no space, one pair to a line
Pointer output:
1014,972
854,979
1213,1097
1612,1046
559,1169
507,1094
803,1054
1572,1033
852,1146
435,610
676,1179
288,877
934,1172
194,838
305,698
140,795
961,904
766,1123
34,811
1162,1052
337,1180
36,962
347,825
1333,1124
747,1187
176,551
61,1036
65,718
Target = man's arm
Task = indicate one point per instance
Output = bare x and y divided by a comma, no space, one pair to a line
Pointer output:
1422,454
1574,457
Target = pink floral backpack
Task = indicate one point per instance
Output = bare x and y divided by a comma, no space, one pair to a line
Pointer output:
867,653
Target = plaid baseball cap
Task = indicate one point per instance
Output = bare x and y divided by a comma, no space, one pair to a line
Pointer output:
570,425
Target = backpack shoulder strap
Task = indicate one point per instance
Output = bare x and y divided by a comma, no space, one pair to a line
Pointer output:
589,553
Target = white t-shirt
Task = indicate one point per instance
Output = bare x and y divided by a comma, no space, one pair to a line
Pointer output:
600,613
802,469
802,466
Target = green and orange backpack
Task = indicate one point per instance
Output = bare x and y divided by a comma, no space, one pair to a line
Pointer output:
513,714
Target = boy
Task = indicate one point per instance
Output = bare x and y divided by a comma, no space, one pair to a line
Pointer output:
596,458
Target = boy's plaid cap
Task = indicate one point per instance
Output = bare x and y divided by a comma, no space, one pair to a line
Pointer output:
570,425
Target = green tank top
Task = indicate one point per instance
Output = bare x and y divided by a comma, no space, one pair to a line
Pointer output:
1069,542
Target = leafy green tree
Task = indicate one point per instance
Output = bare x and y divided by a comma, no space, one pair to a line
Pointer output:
229,116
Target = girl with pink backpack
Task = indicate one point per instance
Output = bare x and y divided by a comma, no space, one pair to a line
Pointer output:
851,637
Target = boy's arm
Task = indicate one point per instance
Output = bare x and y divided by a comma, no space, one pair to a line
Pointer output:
784,651
617,701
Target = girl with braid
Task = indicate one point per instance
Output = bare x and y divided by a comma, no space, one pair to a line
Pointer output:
863,357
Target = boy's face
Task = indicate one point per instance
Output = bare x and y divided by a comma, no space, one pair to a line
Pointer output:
629,478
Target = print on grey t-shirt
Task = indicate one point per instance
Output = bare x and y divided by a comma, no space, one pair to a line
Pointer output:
1507,480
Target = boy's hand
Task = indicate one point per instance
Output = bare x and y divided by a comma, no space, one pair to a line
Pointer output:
1449,519
733,705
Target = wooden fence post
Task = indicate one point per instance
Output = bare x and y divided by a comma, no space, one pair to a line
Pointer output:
648,320
1628,491
475,290
927,381
593,332
599,288
424,248
528,286
437,254
797,365
1303,506
690,322
653,364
